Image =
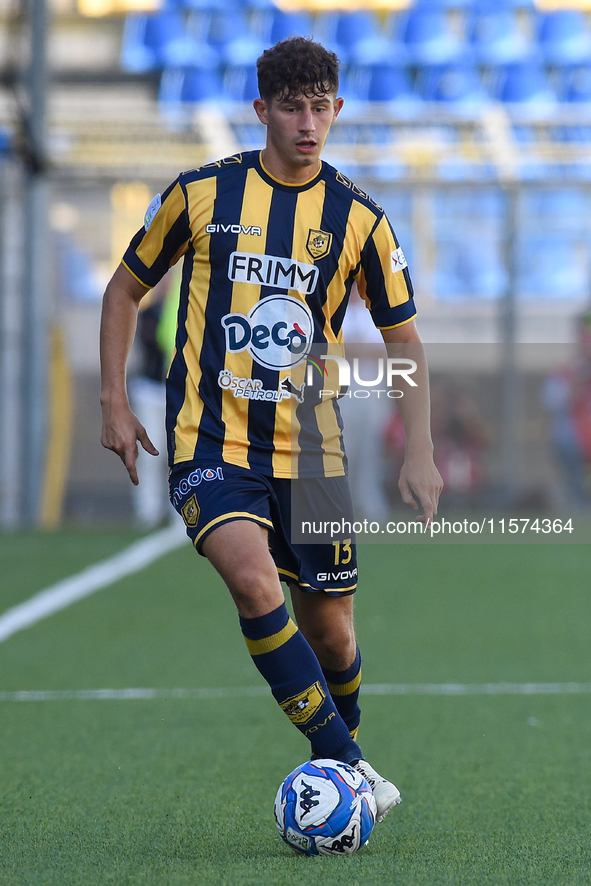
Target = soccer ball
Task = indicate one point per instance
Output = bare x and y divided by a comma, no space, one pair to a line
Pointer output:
325,807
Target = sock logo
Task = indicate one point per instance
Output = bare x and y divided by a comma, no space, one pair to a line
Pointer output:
302,707
318,726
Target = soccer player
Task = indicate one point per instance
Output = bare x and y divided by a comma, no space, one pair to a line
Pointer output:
271,244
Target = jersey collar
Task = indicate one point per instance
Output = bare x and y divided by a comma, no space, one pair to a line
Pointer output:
302,186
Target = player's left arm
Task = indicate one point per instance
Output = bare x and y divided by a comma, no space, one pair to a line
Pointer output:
419,477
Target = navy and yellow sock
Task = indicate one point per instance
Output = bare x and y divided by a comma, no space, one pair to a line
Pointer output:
344,689
287,662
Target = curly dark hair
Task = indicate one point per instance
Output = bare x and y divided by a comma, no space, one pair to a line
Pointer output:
297,66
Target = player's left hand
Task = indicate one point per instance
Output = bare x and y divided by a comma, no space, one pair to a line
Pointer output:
420,479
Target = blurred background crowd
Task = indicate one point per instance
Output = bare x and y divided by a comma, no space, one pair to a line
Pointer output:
468,120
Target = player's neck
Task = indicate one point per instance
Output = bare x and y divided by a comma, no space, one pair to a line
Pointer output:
286,172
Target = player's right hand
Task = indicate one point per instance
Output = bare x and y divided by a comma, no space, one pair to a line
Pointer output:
121,432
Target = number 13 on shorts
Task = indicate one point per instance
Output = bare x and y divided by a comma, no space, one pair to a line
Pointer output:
342,552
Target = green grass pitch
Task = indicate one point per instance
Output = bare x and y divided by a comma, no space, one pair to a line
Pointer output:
496,789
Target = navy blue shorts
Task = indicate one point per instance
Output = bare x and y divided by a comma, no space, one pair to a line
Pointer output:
208,495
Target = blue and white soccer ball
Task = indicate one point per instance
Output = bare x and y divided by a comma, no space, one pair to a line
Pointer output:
325,807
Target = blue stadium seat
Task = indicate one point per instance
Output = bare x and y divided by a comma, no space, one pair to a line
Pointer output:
384,83
469,242
496,5
495,38
577,84
189,85
525,83
388,84
160,40
360,39
289,24
443,4
221,26
564,37
240,83
205,5
455,84
234,36
351,27
201,85
551,273
558,209
260,4
429,38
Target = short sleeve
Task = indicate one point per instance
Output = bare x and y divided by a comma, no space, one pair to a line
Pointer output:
384,280
164,238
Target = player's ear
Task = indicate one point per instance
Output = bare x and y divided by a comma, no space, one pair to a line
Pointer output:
338,105
260,108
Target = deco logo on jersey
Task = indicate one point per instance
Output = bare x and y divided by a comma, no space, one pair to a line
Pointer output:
319,243
276,332
302,707
271,270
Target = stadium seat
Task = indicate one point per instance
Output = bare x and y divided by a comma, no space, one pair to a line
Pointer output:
495,38
496,5
525,83
457,84
443,4
429,38
242,50
206,5
360,39
160,40
230,31
468,234
577,84
288,24
260,4
558,209
240,83
384,83
189,85
356,37
564,37
551,273
221,26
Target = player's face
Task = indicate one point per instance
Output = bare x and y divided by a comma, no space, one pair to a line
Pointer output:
297,129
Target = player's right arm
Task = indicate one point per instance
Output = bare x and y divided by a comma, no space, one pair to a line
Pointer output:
121,428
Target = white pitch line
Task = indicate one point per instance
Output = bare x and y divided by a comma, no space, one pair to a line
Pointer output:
60,595
247,691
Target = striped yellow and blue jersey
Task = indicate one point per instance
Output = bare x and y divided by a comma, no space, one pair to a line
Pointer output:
267,272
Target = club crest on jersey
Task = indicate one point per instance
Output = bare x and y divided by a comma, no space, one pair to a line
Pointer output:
319,243
276,332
